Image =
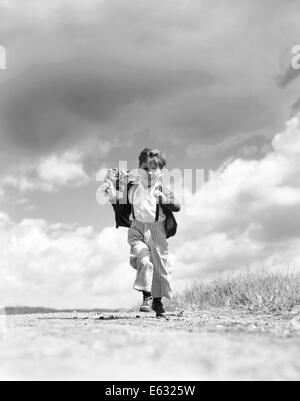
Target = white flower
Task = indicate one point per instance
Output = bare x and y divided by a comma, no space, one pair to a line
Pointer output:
119,178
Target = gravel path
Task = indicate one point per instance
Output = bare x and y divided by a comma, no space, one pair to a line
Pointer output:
212,345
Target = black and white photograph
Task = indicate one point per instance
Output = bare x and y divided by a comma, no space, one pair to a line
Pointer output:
150,193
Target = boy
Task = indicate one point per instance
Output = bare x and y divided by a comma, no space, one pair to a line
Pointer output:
148,213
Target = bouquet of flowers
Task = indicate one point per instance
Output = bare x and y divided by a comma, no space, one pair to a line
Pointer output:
119,178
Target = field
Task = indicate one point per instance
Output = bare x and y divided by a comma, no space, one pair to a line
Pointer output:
238,328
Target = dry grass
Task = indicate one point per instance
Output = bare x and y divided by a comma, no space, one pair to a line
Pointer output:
266,292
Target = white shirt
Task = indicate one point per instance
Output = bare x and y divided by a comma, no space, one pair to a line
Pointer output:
144,203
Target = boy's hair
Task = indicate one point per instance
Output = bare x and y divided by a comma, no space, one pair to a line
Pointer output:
158,157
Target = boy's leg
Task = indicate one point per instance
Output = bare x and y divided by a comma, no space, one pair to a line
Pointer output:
158,307
146,306
144,266
144,276
162,278
162,275
140,261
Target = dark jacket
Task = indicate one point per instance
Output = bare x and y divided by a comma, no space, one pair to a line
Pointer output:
123,211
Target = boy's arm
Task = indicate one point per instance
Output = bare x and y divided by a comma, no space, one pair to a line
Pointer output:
116,197
120,199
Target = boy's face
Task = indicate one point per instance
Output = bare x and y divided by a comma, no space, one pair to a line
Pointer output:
150,172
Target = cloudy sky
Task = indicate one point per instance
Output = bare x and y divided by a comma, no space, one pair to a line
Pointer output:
90,83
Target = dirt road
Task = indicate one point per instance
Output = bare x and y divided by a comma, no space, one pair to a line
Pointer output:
212,345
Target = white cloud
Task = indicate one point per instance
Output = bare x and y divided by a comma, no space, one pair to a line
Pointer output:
63,170
246,215
63,265
48,174
4,220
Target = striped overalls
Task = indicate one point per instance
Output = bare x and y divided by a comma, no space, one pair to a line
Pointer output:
149,255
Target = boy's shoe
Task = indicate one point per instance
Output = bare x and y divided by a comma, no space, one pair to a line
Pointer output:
146,306
158,307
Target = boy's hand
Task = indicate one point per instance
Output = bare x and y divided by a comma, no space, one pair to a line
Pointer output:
158,193
112,193
168,198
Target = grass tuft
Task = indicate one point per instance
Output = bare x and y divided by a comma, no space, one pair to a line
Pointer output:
265,292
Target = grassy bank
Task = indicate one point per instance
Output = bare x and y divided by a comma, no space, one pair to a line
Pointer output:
266,292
